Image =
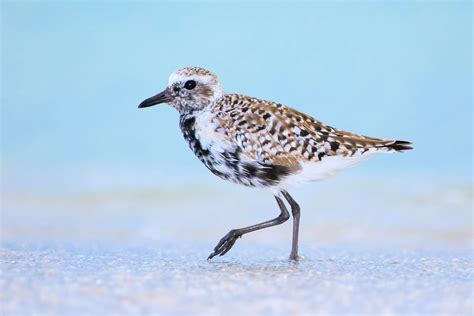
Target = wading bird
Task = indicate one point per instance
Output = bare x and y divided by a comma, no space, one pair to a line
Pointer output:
260,143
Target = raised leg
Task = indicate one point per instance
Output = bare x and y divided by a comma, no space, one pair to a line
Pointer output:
226,243
295,210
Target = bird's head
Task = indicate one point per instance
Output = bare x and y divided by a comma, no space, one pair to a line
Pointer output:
189,89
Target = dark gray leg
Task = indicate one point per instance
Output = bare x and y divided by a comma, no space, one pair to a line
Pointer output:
295,210
226,243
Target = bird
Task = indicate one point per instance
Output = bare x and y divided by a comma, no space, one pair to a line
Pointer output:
261,144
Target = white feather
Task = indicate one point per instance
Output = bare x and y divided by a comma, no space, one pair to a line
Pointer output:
320,170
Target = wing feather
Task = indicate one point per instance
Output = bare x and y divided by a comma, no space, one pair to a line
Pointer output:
274,133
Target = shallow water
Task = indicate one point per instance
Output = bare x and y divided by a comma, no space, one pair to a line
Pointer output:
377,251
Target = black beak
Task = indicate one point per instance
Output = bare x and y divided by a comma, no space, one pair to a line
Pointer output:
161,97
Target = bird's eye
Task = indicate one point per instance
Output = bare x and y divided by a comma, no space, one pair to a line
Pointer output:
190,84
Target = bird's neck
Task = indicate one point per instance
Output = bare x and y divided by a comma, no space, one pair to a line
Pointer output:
194,109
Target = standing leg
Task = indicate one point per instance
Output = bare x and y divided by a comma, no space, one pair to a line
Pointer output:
226,243
295,210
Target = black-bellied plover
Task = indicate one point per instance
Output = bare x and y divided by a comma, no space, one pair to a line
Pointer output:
260,143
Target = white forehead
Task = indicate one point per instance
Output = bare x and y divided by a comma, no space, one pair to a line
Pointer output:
180,77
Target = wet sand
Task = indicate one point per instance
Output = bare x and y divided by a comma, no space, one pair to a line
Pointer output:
64,279
144,252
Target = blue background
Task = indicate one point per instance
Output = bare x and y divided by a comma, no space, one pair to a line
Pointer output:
105,210
74,73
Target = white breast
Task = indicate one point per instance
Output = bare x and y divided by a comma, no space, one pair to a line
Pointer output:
215,142
206,126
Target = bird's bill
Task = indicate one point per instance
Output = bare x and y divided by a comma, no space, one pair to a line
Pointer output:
162,97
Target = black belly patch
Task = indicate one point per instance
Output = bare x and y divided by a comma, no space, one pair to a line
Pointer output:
268,174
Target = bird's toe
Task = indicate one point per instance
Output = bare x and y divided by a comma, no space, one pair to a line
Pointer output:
225,244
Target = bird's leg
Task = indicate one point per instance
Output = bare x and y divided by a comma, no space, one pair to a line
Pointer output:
295,210
226,243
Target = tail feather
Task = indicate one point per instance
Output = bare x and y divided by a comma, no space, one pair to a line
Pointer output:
400,145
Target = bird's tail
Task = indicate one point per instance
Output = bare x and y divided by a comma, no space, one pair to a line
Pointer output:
399,146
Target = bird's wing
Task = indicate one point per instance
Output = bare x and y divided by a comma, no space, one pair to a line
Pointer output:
275,133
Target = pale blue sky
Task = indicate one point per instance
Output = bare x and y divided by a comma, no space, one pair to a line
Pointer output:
74,73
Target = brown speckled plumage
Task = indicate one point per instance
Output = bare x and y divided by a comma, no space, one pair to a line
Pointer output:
261,143
272,132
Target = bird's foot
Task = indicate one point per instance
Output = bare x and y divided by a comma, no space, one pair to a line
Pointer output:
225,244
294,257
